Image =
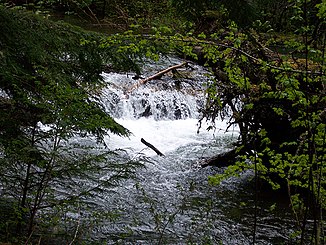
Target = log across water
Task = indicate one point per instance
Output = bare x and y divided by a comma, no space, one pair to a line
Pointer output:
156,75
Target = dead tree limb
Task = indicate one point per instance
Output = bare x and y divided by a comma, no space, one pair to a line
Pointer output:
152,147
225,159
157,75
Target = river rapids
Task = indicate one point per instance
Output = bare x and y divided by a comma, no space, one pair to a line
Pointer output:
170,201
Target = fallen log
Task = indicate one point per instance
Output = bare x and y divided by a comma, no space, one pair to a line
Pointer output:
225,159
152,147
222,160
157,75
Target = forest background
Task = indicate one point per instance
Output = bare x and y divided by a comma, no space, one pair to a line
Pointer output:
267,62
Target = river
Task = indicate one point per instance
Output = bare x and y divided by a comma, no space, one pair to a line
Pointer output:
170,201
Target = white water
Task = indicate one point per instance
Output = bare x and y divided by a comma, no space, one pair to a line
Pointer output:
171,119
165,135
175,204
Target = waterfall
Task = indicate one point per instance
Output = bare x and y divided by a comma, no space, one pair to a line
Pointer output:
171,201
165,99
164,112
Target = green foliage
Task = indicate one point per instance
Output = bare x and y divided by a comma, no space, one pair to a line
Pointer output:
281,116
50,75
49,80
39,65
277,100
201,11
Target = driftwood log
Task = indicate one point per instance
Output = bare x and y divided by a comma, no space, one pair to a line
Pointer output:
156,75
152,147
225,159
222,160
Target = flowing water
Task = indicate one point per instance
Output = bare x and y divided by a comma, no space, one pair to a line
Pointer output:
171,201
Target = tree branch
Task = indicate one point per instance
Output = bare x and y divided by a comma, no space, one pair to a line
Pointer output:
152,147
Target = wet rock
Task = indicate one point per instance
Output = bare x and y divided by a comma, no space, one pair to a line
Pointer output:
177,114
147,112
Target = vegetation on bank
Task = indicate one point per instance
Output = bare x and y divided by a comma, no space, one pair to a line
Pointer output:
267,61
50,74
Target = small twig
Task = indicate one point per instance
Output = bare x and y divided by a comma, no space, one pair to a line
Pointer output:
77,229
29,237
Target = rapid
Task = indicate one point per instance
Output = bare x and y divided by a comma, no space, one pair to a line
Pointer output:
171,201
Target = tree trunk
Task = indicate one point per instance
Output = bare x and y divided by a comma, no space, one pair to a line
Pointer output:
157,75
